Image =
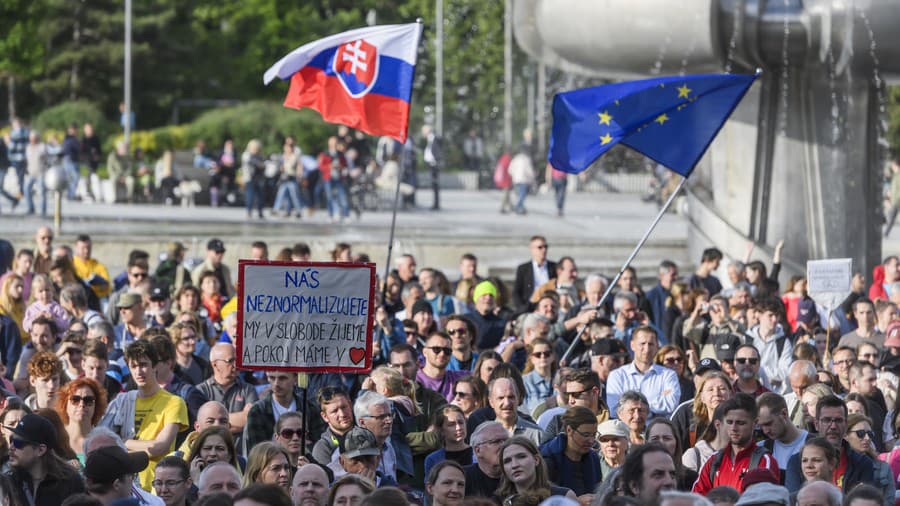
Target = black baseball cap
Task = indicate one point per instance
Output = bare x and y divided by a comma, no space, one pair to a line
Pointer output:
707,364
159,290
36,429
216,245
608,346
109,463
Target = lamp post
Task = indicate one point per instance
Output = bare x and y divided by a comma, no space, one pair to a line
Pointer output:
126,114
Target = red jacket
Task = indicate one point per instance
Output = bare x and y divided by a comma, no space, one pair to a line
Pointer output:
876,291
731,472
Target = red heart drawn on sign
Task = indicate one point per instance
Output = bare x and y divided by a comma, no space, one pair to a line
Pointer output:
357,354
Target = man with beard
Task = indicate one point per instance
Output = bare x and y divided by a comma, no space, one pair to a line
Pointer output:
746,365
434,374
310,486
729,465
337,412
39,476
110,473
647,471
831,423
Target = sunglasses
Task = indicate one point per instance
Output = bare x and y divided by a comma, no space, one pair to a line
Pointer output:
577,395
140,275
19,444
862,433
457,332
290,433
753,361
87,400
674,360
461,395
541,354
437,350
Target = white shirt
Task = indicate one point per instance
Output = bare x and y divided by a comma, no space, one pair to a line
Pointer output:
278,409
541,275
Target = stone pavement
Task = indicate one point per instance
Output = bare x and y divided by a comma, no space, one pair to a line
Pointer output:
599,230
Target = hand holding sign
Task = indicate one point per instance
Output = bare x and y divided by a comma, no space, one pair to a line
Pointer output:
305,317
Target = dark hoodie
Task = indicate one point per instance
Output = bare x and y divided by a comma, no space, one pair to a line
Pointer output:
560,468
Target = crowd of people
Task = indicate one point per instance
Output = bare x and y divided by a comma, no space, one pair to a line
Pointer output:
122,388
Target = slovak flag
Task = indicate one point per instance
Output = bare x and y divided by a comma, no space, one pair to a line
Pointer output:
361,78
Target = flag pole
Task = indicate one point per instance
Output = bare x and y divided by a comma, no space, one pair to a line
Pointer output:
634,253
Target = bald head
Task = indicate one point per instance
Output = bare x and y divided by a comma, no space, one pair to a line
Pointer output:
222,360
819,493
219,477
310,486
211,414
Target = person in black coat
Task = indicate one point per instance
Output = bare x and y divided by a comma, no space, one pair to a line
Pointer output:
525,274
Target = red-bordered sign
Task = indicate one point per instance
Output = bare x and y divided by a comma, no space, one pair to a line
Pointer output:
305,316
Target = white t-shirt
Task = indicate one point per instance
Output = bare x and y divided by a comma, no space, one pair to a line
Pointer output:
278,409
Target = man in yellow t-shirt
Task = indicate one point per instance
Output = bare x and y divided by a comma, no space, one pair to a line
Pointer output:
89,269
158,415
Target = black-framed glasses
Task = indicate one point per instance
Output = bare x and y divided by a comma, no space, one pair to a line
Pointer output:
578,395
586,435
744,360
87,400
457,332
862,433
290,433
461,395
158,484
541,354
437,350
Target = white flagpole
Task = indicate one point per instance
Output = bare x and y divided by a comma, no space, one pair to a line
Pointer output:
634,253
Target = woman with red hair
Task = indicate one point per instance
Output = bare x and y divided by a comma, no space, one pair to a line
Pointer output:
80,404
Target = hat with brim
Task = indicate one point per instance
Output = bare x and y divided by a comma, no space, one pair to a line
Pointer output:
109,463
359,442
128,299
707,364
612,428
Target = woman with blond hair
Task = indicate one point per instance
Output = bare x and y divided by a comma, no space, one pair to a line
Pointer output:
691,423
12,301
253,174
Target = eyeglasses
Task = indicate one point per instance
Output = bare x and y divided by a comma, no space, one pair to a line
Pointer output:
439,349
87,400
139,274
381,417
290,433
492,442
190,337
862,433
586,435
19,443
541,354
578,395
461,395
742,360
157,484
229,361
674,360
457,332
828,421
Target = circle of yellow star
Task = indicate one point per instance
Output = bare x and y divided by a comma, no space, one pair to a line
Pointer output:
605,118
684,91
662,118
605,139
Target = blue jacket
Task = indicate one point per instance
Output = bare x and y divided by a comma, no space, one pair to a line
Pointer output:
559,467
657,296
860,468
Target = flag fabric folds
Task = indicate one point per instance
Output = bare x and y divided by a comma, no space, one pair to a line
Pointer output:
669,119
361,78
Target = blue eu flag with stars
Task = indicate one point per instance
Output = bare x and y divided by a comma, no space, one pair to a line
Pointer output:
669,119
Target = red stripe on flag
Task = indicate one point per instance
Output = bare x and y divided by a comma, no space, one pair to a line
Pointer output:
373,114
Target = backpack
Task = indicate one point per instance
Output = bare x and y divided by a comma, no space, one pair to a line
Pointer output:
758,453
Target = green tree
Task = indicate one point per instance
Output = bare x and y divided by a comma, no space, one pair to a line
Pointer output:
21,53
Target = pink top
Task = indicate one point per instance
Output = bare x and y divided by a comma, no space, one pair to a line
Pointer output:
56,311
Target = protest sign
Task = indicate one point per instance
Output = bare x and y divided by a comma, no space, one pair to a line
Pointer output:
828,281
305,316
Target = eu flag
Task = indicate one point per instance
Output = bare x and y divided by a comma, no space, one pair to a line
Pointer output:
669,119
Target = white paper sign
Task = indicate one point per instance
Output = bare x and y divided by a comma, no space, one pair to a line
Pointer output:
828,281
305,316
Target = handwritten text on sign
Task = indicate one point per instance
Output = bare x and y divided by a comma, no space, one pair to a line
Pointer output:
829,276
311,317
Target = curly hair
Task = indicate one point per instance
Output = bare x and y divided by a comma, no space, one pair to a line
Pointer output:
67,390
44,364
